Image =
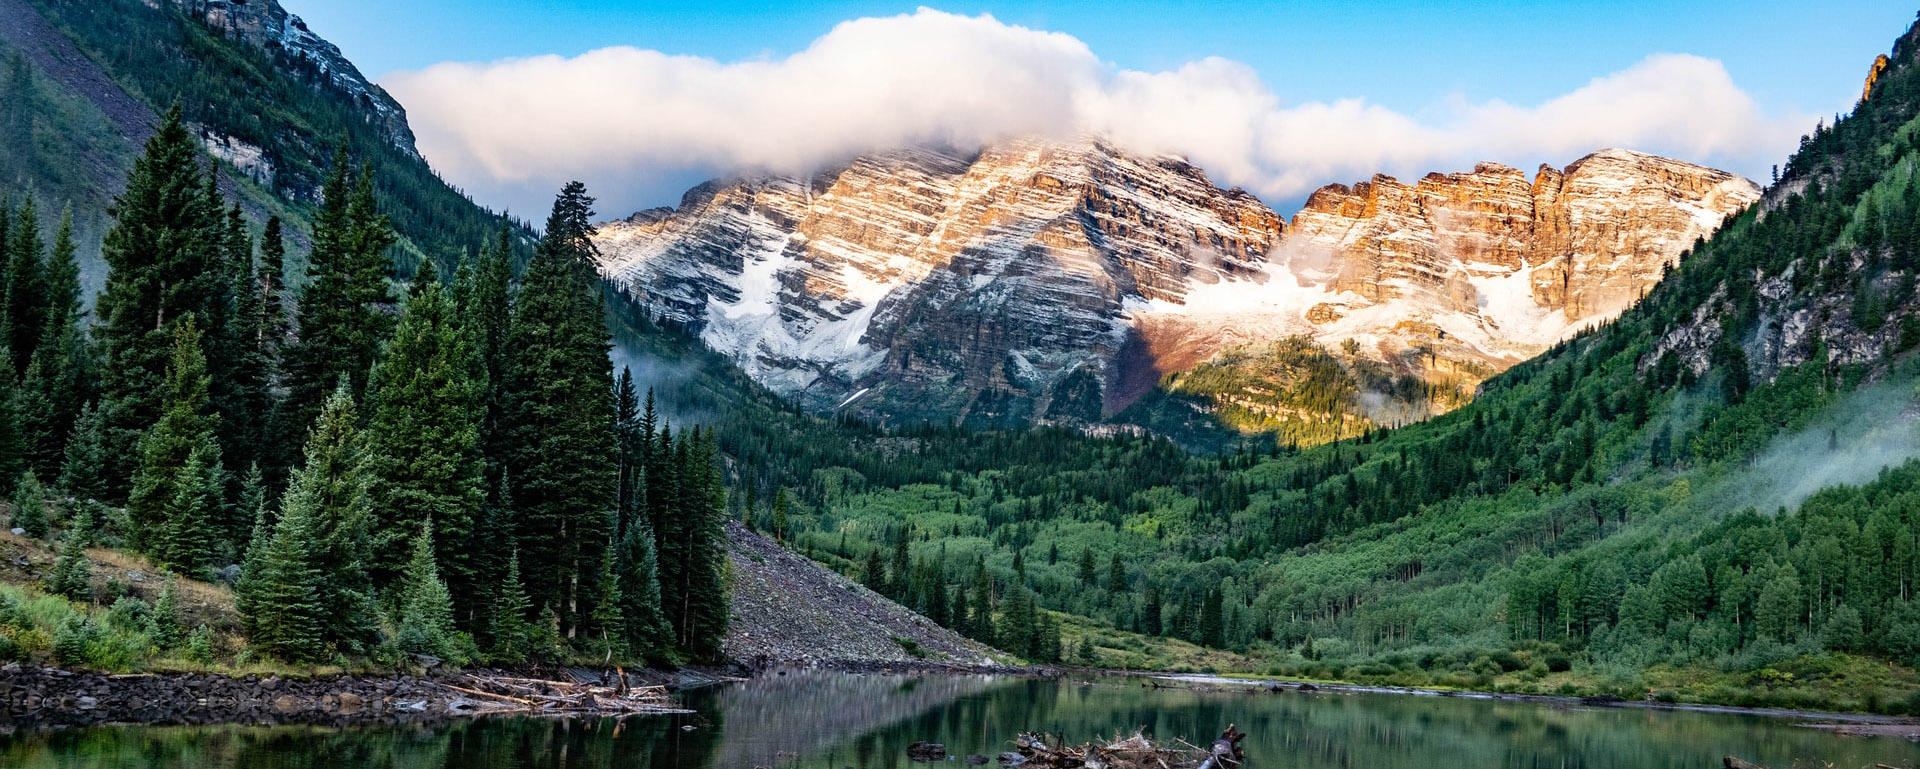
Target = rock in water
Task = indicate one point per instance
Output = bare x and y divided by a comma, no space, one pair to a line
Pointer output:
927,751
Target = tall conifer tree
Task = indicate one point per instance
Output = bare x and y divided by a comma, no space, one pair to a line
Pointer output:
344,310
423,462
559,419
160,255
166,483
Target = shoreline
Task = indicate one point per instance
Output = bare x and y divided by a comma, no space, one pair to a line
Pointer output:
45,698
36,698
1843,723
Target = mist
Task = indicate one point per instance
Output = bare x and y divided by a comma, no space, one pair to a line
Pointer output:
1871,429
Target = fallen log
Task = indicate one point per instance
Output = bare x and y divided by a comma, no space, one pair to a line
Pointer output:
1135,752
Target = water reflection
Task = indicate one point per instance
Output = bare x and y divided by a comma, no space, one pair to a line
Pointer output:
833,721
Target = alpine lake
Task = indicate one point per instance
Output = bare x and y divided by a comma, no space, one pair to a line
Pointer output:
820,720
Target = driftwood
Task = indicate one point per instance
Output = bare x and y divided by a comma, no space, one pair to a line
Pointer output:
537,695
1136,752
1736,762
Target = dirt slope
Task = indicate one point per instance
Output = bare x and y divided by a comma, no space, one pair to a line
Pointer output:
788,609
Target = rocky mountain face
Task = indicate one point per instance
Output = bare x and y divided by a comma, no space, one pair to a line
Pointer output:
1059,281
266,25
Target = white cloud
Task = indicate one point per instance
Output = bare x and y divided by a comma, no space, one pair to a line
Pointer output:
633,123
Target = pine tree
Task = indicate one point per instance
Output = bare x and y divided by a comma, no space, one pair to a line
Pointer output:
609,620
161,258
426,608
559,420
168,630
13,441
1116,575
705,603
60,376
328,495
85,456
482,298
780,514
637,566
285,602
185,544
167,451
1212,622
631,445
27,293
343,311
897,568
30,506
422,459
1019,628
270,280
1150,622
71,575
242,393
511,631
1087,573
982,624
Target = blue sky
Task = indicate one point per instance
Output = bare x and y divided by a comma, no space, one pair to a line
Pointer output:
1421,61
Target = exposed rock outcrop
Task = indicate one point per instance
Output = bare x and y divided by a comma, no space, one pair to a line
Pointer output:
266,25
1057,281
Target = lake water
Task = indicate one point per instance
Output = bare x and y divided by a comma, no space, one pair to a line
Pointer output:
832,721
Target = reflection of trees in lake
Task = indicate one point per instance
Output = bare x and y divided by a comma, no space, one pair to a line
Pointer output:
655,742
774,719
828,721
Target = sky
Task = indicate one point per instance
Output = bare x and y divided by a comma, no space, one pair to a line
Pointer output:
641,100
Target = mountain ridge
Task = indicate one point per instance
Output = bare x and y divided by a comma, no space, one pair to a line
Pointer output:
1039,281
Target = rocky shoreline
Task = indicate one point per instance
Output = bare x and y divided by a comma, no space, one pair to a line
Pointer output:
52,698
34,697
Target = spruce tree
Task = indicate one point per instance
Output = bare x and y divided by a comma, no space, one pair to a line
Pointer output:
85,455
482,301
1212,622
242,387
161,259
700,602
164,480
559,420
27,293
186,541
327,493
422,458
168,626
30,506
343,311
511,630
71,575
285,591
60,376
637,571
609,619
426,608
13,439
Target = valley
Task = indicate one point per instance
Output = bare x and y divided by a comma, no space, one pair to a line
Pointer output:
942,442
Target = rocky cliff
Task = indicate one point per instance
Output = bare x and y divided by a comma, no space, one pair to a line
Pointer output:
266,25
1058,282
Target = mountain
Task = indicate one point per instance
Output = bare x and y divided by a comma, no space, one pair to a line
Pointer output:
1038,281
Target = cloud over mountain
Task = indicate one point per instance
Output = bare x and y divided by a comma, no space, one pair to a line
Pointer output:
637,124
